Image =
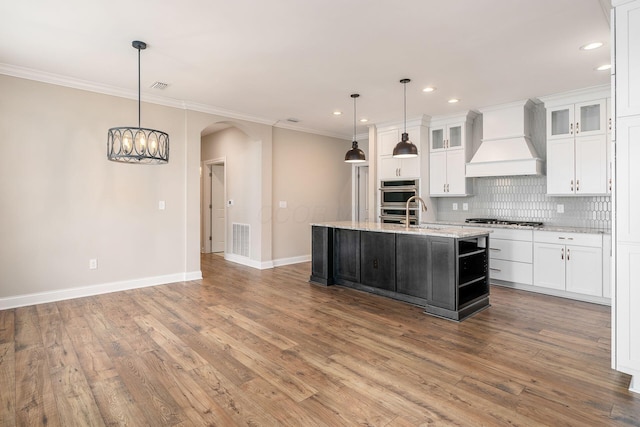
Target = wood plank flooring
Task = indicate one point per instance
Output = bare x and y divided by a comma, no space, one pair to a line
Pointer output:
266,348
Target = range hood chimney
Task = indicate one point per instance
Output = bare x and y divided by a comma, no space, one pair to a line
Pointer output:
506,147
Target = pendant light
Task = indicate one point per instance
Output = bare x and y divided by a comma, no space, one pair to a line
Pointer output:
355,155
405,148
137,144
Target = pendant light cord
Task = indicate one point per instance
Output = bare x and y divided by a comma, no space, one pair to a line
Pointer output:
405,106
139,89
354,118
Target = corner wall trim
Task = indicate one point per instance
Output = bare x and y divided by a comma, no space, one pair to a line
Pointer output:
87,291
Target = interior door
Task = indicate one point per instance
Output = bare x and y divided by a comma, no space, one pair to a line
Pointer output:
217,208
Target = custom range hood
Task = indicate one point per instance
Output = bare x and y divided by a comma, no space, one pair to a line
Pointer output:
506,147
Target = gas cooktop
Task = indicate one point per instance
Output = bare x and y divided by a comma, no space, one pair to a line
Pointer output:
503,222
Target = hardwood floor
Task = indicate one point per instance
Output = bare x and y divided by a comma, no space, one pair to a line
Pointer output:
249,347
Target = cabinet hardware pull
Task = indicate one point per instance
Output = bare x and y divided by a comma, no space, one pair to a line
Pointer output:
578,185
495,249
609,123
561,238
568,254
562,254
571,129
609,184
569,238
577,127
494,269
444,188
572,186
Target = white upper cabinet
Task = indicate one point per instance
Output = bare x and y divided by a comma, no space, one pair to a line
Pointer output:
581,119
577,143
391,168
450,141
627,59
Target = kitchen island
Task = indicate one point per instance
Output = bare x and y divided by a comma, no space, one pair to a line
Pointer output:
443,269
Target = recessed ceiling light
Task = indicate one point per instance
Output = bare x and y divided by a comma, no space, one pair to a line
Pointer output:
591,46
337,113
363,120
429,89
453,100
604,67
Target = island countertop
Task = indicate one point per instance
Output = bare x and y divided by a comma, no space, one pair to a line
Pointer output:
456,232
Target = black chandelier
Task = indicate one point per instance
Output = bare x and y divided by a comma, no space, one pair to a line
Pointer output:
355,155
405,148
138,144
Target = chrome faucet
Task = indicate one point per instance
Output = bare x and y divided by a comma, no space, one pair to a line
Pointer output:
424,207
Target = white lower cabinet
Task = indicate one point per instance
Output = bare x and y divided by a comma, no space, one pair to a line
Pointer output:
627,315
570,262
511,256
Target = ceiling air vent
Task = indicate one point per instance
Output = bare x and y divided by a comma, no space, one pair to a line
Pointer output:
159,85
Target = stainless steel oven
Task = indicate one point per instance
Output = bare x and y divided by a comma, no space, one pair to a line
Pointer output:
393,201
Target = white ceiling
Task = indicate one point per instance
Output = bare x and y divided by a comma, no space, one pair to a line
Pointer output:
279,59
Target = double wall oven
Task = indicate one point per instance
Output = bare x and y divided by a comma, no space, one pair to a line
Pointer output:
393,201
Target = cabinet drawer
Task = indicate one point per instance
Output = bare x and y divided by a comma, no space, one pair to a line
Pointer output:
511,250
577,239
511,234
510,271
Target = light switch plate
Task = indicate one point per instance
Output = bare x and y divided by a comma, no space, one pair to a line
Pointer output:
560,208
465,206
283,204
161,205
455,207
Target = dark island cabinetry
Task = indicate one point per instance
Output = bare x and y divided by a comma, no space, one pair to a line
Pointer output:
378,260
446,275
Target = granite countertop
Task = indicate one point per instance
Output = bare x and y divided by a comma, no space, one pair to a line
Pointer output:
439,230
559,228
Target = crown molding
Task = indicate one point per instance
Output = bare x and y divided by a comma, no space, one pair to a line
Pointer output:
59,80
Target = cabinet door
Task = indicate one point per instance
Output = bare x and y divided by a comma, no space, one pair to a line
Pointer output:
591,164
389,167
560,166
456,180
549,266
626,310
584,270
442,273
346,249
438,173
591,118
438,138
387,141
560,122
378,260
322,255
628,179
627,59
410,168
456,135
412,273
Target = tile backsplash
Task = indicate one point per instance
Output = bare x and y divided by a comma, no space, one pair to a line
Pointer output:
524,198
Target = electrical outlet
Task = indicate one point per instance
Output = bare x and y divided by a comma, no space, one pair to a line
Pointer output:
93,264
465,206
283,204
560,208
455,207
161,205
230,202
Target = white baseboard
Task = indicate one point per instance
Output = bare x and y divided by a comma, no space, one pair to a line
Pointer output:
87,291
263,265
292,260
